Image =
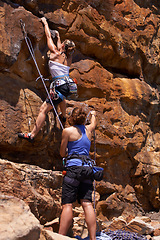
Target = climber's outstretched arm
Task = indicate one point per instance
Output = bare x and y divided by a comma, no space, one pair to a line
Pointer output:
52,47
92,124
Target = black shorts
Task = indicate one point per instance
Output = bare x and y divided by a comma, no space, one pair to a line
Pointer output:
73,189
55,102
63,89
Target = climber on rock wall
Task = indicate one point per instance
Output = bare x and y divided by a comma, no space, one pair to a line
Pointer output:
78,180
59,64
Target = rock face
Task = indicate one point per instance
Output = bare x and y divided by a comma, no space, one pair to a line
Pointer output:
117,68
39,188
17,222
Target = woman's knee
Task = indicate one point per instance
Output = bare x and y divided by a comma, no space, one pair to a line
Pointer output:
85,203
45,108
67,206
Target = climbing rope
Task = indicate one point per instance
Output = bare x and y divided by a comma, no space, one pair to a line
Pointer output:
31,50
94,162
94,183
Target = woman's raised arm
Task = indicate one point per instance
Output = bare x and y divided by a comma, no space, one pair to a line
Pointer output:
50,42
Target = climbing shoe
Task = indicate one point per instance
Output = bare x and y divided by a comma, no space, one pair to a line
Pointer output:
26,136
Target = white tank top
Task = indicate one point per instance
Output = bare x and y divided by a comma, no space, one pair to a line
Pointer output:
58,69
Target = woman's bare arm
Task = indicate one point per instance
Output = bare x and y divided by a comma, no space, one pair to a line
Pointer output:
64,143
92,125
50,43
59,44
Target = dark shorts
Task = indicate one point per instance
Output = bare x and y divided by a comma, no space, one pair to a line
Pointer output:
55,102
73,189
63,89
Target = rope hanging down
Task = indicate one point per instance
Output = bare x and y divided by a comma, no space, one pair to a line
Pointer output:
31,50
94,162
94,183
94,186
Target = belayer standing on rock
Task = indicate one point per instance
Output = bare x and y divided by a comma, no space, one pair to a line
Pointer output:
59,64
78,181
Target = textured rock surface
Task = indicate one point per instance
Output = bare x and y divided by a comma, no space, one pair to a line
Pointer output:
49,235
16,220
117,68
39,188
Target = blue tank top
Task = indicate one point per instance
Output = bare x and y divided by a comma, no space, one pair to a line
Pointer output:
80,146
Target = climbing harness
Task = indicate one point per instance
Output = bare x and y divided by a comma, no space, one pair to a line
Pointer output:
65,79
31,50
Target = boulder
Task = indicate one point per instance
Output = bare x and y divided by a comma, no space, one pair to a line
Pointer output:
139,226
49,235
39,188
16,220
